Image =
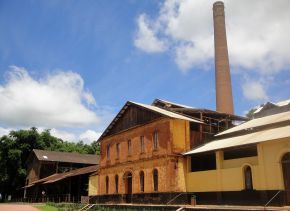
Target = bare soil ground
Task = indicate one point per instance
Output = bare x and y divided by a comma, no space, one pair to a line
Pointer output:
17,207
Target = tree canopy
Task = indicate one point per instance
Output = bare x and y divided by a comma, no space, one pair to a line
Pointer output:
16,147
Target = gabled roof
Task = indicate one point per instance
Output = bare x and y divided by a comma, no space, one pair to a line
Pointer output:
252,138
258,122
152,108
66,157
272,105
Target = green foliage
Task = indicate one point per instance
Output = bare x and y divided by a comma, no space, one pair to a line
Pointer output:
46,207
16,147
250,113
65,206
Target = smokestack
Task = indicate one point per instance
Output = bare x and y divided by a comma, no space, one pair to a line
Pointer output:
224,98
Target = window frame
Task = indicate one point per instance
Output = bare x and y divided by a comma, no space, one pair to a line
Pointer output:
129,142
117,150
155,140
117,183
142,144
155,180
108,151
107,184
248,177
142,181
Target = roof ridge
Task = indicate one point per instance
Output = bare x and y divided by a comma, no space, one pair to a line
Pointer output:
152,108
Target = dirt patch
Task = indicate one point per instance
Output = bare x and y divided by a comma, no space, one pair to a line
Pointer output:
17,207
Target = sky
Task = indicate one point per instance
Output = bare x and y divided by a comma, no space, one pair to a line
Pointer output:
70,65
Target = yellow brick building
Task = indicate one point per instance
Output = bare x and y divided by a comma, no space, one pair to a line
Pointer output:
250,162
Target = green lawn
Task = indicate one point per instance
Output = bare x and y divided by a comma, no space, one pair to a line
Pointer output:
46,207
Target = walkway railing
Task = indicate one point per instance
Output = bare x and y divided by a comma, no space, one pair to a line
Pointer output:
174,198
272,198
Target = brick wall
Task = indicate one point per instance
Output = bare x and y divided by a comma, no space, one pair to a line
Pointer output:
169,165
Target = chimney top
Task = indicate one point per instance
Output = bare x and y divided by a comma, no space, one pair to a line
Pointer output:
218,9
218,3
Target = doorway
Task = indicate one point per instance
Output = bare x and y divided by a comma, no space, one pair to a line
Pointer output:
128,186
286,176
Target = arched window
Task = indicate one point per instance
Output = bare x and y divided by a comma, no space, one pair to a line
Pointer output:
117,183
142,181
107,184
155,180
285,162
248,178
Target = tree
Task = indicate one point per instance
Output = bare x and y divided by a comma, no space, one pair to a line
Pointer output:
250,113
16,147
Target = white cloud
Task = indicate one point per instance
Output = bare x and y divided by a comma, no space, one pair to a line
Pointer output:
57,100
64,135
89,98
258,33
4,131
254,90
146,39
89,136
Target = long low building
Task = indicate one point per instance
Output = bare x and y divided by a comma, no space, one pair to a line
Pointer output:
68,186
58,175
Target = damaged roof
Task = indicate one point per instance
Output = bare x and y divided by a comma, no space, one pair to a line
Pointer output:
169,104
180,109
60,176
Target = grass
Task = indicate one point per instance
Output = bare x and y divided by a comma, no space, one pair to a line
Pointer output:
46,207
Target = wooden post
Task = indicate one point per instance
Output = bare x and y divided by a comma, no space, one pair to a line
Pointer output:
200,128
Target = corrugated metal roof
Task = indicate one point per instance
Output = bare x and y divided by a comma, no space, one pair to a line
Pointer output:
283,103
148,107
275,118
167,113
67,157
252,138
60,176
278,104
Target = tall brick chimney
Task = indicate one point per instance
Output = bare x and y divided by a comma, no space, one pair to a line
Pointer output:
224,98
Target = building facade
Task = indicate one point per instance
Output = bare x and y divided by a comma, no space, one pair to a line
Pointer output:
249,164
141,150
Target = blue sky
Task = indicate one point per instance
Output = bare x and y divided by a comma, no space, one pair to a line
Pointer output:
131,50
